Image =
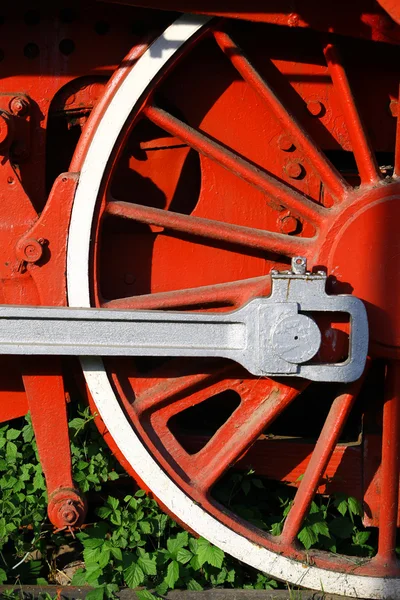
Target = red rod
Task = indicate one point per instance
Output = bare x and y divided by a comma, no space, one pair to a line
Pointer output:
362,148
258,239
328,173
277,190
316,468
389,504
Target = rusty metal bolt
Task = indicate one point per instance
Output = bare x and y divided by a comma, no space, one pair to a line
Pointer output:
294,170
288,224
285,143
5,128
293,20
19,106
69,513
315,108
30,250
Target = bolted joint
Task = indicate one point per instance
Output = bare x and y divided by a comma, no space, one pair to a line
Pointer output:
19,106
66,508
30,250
288,224
315,108
294,170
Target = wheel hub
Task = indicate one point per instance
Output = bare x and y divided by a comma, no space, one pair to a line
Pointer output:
364,259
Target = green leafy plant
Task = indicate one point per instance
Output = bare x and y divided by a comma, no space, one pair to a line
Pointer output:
130,541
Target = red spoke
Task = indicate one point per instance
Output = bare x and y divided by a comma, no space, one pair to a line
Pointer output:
390,463
362,148
248,237
328,173
320,457
397,147
232,161
232,294
240,431
179,387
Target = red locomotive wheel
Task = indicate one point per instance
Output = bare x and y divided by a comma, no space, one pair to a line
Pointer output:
223,151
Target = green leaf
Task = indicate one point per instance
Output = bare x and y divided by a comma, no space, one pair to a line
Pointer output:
361,537
307,537
174,544
207,553
11,451
133,575
145,595
341,527
96,594
3,576
183,556
103,511
116,552
79,578
92,542
13,434
113,502
147,564
246,485
172,575
193,585
355,506
91,556
145,526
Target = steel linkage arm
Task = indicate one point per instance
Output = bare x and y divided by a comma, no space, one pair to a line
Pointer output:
268,336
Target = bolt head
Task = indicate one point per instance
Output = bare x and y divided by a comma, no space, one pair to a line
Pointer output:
294,170
288,224
315,108
29,250
293,20
285,143
19,106
69,516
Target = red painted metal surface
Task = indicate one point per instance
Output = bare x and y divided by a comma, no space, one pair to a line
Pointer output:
252,149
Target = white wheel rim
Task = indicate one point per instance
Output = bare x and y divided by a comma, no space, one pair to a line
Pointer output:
78,285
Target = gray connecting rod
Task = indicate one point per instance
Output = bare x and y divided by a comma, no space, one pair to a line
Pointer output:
268,336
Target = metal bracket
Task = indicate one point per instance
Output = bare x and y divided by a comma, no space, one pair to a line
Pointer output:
268,336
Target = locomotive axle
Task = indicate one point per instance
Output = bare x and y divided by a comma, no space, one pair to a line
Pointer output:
268,336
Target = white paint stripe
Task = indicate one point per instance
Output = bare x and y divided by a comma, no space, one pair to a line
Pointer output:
106,402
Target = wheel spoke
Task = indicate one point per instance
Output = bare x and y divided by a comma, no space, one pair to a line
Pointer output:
276,189
240,431
254,239
362,148
320,457
232,294
180,387
397,147
390,463
328,173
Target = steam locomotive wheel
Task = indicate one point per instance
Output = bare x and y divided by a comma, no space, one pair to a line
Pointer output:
199,173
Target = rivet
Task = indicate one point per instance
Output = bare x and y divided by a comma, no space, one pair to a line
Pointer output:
19,106
285,143
294,170
315,108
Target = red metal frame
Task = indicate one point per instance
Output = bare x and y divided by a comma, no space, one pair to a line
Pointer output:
264,195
